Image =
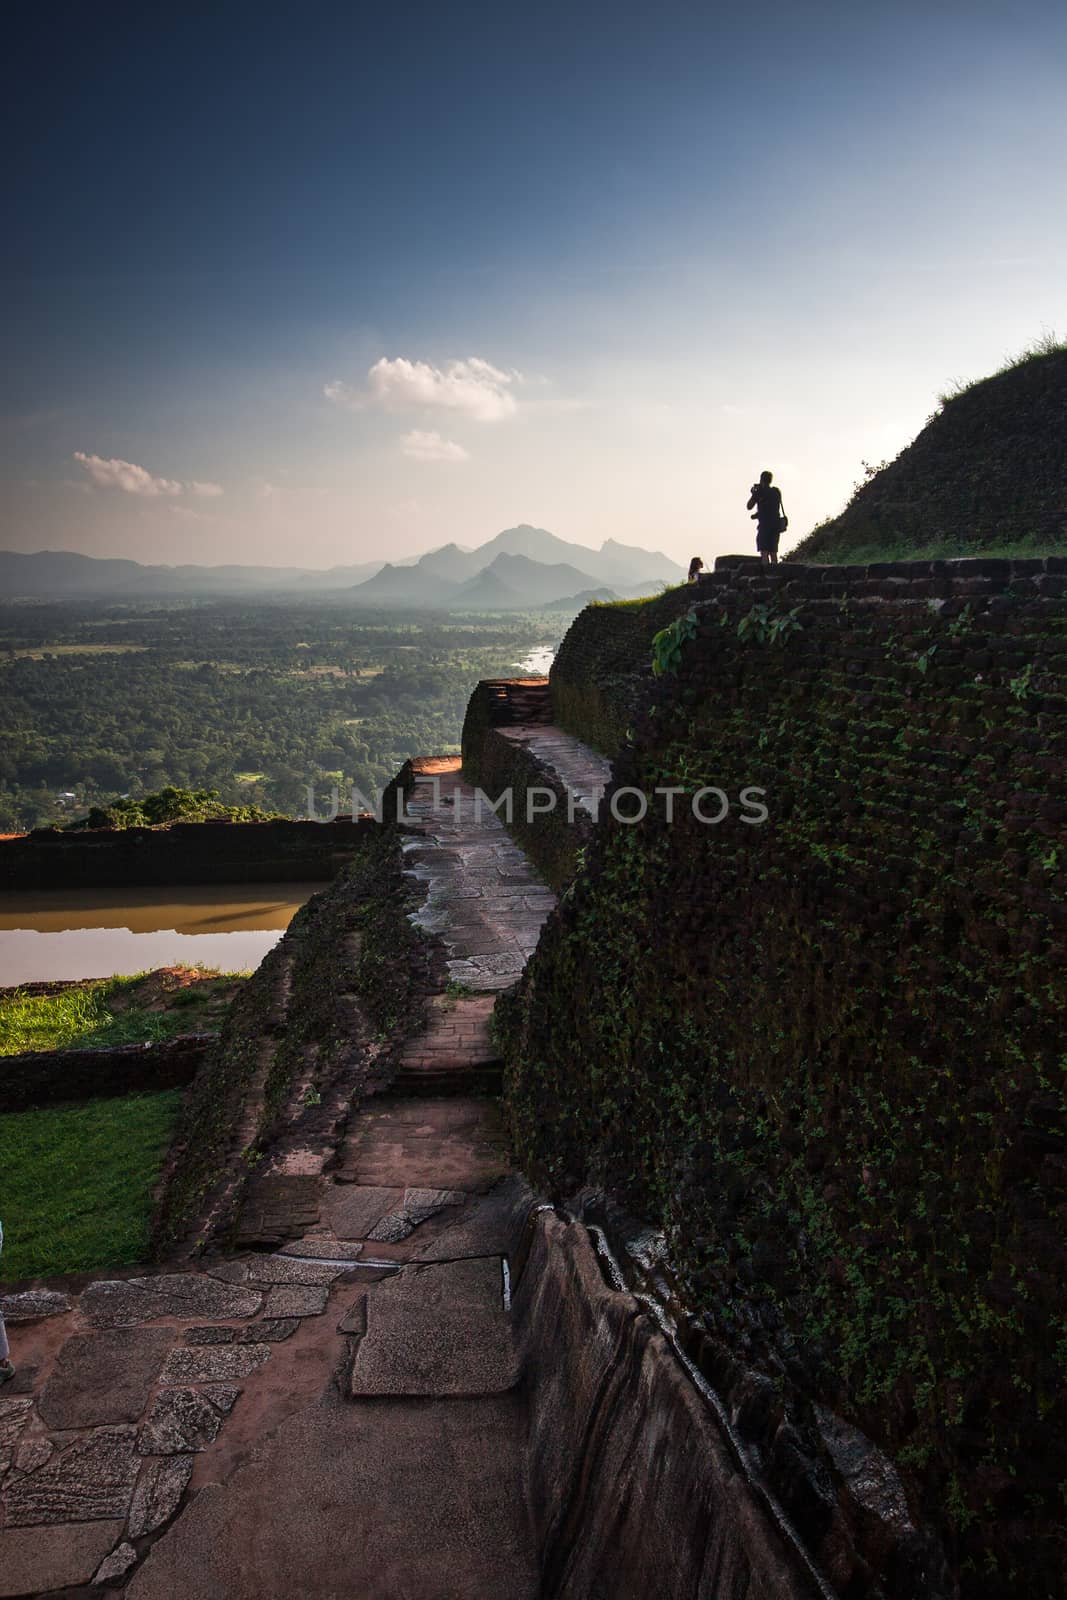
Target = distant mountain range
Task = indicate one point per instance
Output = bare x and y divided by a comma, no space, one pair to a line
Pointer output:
520,569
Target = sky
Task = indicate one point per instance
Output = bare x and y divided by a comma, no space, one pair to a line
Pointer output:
322,284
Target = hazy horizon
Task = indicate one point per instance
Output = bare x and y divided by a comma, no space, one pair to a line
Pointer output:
322,288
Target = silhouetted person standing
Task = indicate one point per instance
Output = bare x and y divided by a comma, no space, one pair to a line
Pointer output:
696,567
769,517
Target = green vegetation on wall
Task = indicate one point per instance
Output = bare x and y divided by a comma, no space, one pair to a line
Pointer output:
604,658
839,1081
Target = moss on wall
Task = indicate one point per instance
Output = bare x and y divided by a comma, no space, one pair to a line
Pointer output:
839,1081
603,663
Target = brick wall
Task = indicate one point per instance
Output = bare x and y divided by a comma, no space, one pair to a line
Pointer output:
183,852
827,1053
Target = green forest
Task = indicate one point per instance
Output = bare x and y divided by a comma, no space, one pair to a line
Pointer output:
255,700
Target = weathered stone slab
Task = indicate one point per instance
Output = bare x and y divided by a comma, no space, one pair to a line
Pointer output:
33,1453
296,1300
411,1349
103,1377
323,1247
91,1480
184,1420
284,1269
278,1206
478,1281
158,1493
213,1363
38,1560
392,1228
210,1335
272,1330
24,1381
14,1415
121,1559
432,1200
124,1303
353,1209
355,1318
33,1305
229,1271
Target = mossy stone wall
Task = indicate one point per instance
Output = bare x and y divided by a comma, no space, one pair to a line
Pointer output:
827,1052
603,663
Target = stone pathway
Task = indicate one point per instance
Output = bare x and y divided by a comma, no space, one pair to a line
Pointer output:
484,899
583,771
338,1414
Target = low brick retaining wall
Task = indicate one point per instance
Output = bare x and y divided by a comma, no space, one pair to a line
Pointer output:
48,1077
183,852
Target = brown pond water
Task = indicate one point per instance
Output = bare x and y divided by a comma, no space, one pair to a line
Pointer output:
92,933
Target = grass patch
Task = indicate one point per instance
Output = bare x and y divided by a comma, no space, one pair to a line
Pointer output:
146,1008
861,555
77,1182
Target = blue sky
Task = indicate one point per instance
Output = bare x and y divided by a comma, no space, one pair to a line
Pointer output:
322,283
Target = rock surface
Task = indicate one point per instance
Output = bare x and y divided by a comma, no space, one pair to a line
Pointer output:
121,1303
213,1363
90,1480
39,1560
33,1305
121,1559
184,1420
158,1493
103,1377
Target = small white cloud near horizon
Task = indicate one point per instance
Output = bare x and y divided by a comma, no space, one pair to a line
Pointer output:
421,446
125,475
208,491
474,387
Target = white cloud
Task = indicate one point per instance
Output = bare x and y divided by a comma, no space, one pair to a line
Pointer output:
473,387
431,447
125,475
207,490
342,395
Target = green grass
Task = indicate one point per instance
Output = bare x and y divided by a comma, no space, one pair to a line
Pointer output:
76,1182
861,555
109,1013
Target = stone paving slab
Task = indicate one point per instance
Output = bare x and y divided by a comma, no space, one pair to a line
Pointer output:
476,1282
185,1420
269,1270
297,1300
415,1349
89,1481
383,1502
14,1415
213,1363
103,1377
325,1246
33,1305
353,1208
158,1493
36,1561
441,1144
272,1330
117,1564
122,1303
